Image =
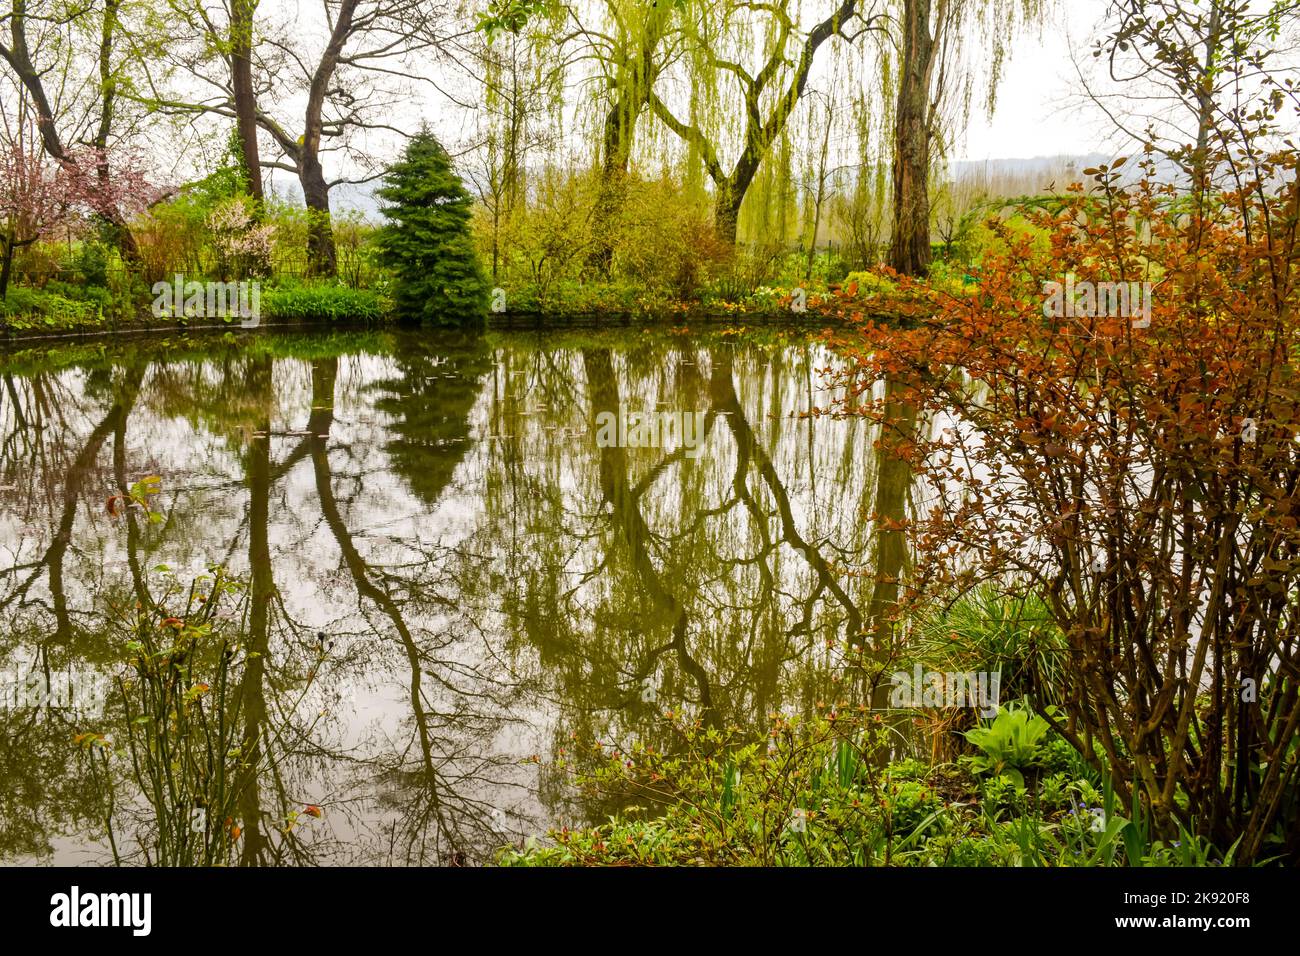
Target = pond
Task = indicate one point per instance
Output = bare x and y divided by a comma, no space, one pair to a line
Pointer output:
448,563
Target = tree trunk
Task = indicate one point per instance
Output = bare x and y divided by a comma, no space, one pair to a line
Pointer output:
241,77
726,213
20,61
322,259
120,231
636,77
6,267
613,180
731,195
11,244
909,250
820,196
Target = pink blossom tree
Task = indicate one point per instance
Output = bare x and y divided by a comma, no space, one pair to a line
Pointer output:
39,195
34,199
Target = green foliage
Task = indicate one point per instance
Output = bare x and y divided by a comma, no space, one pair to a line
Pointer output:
814,794
91,264
870,283
728,289
791,269
810,796
33,309
213,229
322,300
228,180
982,241
427,243
95,279
665,240
950,278
508,16
174,236
571,297
1010,744
661,245
354,244
95,296
987,630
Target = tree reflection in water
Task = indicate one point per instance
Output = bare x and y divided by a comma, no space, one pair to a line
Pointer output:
442,574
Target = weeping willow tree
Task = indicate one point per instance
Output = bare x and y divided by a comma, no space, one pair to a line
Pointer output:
630,57
523,102
608,52
861,213
714,79
743,70
724,81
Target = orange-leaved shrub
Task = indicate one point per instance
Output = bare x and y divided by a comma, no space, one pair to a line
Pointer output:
1139,470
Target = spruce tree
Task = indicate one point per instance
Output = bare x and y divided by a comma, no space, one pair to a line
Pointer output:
427,242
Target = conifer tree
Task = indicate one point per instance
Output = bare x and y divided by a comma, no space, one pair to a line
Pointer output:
427,240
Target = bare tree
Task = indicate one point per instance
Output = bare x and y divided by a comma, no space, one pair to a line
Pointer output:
76,99
342,89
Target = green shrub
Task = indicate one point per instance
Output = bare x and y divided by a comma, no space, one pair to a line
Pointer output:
987,630
870,283
950,278
25,309
97,296
1010,745
665,242
91,264
809,796
322,300
571,297
983,241
656,249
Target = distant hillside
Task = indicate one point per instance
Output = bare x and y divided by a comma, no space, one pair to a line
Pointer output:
1018,177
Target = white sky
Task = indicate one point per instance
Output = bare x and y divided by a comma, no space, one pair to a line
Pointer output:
1040,112
1034,116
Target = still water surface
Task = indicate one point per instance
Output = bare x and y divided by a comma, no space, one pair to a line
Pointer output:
445,575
